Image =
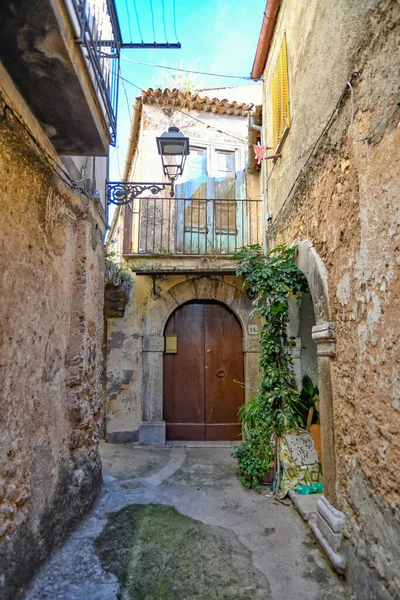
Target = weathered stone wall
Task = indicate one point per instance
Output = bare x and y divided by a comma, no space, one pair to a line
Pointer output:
345,200
52,288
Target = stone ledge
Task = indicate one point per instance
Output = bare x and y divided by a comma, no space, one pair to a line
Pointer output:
122,437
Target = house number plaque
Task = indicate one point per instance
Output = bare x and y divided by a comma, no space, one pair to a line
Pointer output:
252,329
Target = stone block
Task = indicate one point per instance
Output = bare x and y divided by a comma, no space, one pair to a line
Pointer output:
324,336
334,518
153,343
152,433
334,539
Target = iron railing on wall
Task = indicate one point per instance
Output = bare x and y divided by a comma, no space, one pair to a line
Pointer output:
100,38
193,226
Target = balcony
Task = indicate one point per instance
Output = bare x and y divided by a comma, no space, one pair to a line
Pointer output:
197,233
63,56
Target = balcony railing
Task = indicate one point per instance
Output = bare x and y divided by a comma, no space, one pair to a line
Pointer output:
100,38
192,226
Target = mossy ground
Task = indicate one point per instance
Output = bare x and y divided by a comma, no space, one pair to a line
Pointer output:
159,554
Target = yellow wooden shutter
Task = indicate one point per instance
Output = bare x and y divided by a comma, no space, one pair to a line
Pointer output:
280,96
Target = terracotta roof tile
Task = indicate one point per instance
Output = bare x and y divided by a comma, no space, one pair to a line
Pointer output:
195,102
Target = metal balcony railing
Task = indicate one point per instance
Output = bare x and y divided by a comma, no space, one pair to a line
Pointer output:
192,226
100,37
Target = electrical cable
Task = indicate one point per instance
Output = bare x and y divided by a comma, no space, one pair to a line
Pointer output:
163,18
152,20
324,130
363,139
174,14
242,140
138,22
52,162
138,62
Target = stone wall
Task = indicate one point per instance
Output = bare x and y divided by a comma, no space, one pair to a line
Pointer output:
52,288
344,199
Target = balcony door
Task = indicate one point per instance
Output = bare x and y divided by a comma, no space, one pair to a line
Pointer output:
203,374
210,215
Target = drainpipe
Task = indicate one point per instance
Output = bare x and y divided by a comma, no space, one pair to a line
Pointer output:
259,128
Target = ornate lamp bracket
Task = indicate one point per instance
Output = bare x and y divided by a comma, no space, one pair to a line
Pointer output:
123,192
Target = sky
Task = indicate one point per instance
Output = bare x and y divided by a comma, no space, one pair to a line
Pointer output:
217,36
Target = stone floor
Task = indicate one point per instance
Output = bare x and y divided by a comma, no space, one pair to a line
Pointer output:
174,523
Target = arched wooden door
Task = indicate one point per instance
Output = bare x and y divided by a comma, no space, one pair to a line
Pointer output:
201,393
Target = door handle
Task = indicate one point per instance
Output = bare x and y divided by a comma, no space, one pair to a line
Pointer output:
220,373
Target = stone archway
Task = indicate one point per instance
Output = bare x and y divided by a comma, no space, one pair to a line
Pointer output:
152,426
323,334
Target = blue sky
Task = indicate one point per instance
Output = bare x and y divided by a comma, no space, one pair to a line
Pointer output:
219,36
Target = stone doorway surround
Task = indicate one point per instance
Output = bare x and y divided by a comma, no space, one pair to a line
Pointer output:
152,426
329,524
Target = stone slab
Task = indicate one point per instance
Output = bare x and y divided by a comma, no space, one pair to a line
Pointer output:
306,504
152,433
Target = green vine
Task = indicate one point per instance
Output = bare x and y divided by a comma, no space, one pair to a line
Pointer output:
277,405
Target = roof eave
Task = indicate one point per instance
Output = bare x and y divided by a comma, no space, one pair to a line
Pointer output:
264,42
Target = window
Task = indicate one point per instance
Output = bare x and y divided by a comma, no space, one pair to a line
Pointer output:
210,174
280,98
195,215
225,216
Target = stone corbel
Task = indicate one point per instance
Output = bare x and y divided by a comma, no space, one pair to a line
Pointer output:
324,336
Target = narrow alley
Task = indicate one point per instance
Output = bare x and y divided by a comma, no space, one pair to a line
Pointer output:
199,282
174,523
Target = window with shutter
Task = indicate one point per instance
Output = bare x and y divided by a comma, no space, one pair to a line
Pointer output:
280,98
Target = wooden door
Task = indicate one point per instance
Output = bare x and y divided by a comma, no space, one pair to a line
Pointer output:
201,393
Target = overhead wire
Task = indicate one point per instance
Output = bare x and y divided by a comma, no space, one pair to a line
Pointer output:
190,116
138,62
138,22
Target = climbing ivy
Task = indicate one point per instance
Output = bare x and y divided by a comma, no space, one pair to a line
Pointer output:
271,280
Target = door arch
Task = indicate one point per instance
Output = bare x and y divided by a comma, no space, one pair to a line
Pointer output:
202,379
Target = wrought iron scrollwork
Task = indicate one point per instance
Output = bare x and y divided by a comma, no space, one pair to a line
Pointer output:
122,192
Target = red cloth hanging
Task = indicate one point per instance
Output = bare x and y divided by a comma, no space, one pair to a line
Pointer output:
259,151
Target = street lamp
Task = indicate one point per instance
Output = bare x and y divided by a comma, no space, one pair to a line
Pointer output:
173,147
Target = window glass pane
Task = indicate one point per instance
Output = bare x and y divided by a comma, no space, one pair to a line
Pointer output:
226,161
225,184
225,216
193,183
